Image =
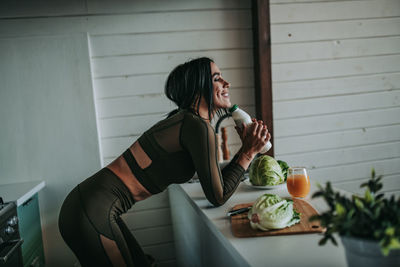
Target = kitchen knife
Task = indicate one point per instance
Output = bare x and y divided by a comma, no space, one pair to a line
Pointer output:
238,211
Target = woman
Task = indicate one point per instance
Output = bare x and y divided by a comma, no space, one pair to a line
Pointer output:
169,152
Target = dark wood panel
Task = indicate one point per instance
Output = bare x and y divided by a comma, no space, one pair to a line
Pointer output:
262,64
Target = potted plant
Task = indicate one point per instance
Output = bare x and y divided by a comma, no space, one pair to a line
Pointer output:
368,225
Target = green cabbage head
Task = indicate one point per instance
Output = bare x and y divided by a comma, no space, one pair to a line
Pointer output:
272,212
265,170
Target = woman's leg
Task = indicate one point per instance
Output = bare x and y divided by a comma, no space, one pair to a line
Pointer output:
80,234
137,253
90,223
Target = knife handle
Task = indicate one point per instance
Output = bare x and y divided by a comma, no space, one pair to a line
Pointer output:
238,211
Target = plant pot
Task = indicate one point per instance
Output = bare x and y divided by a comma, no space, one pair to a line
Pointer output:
363,252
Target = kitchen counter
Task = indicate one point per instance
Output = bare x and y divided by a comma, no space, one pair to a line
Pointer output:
201,229
20,192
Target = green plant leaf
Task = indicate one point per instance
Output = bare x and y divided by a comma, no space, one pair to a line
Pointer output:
323,241
340,210
333,240
392,244
389,231
368,196
359,203
317,194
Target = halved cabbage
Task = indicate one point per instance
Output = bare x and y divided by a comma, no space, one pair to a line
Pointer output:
272,212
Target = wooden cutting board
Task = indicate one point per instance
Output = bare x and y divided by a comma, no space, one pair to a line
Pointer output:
241,224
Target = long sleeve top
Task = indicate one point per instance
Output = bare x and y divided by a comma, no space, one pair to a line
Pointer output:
178,147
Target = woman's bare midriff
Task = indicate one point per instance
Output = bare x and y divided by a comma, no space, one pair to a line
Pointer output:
122,170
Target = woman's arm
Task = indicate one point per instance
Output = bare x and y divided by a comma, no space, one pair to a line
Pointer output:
198,138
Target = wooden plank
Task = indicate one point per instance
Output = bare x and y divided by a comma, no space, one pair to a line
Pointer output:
162,63
109,45
161,252
396,194
262,63
77,7
152,84
292,52
390,182
338,139
154,236
336,104
334,122
26,8
346,172
129,85
154,202
124,6
130,23
42,27
124,126
114,147
147,219
333,68
171,21
113,107
323,11
335,86
339,156
334,30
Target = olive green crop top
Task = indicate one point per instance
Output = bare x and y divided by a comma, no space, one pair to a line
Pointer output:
178,146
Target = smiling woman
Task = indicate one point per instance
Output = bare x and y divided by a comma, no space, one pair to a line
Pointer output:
169,152
220,86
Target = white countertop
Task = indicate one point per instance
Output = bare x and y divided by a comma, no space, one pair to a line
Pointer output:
20,192
289,250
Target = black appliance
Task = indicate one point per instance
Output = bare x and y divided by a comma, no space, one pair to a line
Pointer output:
10,241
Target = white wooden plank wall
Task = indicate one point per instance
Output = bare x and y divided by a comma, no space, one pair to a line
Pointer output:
131,56
336,88
133,46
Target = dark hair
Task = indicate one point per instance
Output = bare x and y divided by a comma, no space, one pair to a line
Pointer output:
188,83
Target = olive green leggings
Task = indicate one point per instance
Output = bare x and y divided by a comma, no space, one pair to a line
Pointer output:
90,223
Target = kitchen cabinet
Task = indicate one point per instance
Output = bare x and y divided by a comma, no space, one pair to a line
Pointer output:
26,196
31,232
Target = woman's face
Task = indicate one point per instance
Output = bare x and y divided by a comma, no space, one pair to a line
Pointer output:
221,92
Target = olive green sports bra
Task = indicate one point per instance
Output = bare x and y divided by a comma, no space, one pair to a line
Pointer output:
178,146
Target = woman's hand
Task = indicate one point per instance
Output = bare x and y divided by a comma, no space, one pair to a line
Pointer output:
254,137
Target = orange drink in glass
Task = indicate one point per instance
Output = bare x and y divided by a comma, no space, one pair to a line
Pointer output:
298,182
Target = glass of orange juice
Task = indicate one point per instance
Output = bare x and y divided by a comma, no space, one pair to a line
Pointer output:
298,182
